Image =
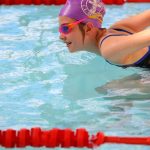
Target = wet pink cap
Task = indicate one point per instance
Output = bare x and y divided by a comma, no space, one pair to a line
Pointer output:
80,9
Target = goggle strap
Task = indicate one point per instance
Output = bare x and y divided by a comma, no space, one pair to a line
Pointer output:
77,22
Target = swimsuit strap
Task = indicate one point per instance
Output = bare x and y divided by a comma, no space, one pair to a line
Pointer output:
101,42
122,30
117,29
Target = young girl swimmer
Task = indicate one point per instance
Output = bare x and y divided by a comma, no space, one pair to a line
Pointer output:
126,43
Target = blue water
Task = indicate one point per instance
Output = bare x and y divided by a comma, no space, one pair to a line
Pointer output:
43,85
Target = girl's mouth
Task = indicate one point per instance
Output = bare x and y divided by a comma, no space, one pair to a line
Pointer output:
68,44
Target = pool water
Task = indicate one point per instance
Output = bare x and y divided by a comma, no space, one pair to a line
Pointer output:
43,85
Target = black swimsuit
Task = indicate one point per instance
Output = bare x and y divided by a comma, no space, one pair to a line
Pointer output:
143,62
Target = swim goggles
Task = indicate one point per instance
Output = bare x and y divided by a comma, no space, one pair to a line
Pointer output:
67,27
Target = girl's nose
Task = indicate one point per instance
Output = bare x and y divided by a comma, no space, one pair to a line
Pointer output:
62,36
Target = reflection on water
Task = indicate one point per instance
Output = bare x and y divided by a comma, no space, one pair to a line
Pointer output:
132,87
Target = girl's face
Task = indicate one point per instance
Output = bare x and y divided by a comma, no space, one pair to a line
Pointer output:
74,40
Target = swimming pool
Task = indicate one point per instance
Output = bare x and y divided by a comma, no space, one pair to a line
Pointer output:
42,84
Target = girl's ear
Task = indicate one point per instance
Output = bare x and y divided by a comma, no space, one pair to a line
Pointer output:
89,26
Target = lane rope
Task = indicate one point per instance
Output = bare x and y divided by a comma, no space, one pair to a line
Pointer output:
65,138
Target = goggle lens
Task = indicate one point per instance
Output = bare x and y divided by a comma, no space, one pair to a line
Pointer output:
64,29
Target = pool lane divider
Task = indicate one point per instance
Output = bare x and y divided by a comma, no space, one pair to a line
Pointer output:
65,138
51,2
60,2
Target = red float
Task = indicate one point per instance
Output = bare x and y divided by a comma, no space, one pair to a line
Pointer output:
7,2
27,2
139,1
22,2
48,2
9,138
119,2
37,2
59,2
108,2
116,2
23,139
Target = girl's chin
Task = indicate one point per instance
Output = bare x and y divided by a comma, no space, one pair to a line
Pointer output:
71,49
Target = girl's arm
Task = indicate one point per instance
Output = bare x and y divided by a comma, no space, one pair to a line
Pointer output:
136,23
116,48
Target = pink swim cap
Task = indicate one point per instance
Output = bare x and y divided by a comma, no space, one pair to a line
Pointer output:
79,9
